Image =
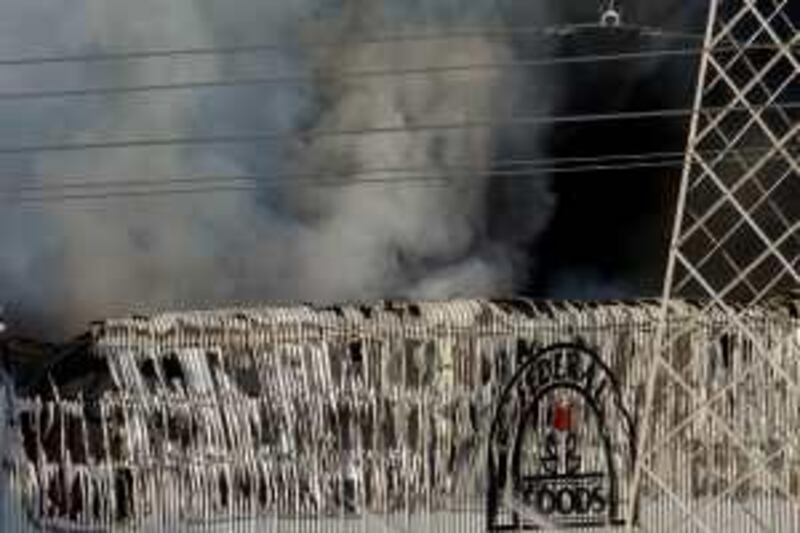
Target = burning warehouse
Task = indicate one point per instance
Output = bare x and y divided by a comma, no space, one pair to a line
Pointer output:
464,415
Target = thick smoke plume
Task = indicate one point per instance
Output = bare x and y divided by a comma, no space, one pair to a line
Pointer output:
63,264
461,232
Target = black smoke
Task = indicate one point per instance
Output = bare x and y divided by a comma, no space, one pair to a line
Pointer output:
610,231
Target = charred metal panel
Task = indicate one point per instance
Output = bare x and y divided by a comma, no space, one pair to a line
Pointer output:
380,412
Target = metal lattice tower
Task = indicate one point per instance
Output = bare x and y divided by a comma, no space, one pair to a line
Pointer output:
736,243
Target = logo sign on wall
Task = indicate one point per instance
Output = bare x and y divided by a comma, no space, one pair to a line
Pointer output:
561,446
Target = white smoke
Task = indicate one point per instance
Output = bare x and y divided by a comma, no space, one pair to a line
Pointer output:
390,238
63,264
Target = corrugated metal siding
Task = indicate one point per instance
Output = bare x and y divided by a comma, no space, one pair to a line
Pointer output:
383,410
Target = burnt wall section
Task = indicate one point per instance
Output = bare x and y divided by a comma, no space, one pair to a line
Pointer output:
341,411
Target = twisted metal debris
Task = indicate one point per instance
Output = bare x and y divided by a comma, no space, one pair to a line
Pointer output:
304,413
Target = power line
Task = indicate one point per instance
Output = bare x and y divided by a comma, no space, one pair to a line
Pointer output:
497,165
272,136
447,175
577,59
432,179
345,75
501,165
487,32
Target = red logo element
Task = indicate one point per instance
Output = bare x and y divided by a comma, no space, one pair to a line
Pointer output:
562,416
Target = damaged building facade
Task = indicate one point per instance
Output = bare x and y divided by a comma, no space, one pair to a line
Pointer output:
494,414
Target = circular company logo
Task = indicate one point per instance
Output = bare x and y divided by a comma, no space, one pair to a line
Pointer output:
561,443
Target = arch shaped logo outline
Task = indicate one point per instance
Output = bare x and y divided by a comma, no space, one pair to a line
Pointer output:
559,490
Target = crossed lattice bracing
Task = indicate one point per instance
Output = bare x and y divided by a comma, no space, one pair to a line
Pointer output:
739,233
736,244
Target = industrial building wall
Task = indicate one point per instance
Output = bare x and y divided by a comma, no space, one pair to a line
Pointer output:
389,414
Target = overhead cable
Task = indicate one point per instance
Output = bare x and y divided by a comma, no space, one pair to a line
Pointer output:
391,176
428,36
61,183
349,75
438,178
274,136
